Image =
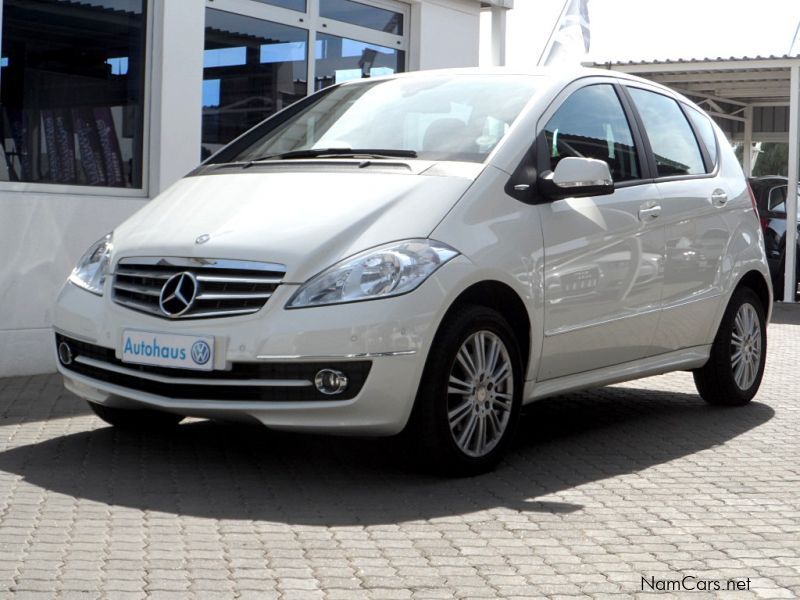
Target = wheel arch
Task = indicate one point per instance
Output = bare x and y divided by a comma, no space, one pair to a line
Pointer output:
502,298
756,281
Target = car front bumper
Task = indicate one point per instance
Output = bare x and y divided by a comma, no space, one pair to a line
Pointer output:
276,350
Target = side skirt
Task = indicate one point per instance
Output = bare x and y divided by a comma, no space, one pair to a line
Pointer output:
679,360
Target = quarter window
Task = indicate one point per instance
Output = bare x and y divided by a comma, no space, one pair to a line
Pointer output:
592,124
671,138
703,125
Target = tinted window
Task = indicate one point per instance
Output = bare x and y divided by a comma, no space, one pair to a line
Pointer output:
777,200
342,59
71,103
251,69
671,138
291,4
703,124
591,123
362,14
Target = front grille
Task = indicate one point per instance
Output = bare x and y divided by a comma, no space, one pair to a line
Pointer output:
256,382
223,288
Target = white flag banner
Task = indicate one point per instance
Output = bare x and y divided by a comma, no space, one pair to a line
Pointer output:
794,50
569,42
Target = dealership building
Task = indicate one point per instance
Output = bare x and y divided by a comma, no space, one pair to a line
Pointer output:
105,103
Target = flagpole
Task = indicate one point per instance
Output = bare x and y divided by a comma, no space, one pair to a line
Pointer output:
549,43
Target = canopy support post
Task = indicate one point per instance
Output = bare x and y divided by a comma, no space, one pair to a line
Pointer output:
790,284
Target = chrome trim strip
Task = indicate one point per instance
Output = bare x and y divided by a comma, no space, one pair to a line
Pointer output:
233,296
201,263
136,305
137,289
142,273
224,279
335,356
207,314
98,364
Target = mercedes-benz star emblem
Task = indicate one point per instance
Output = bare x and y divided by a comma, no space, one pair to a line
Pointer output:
178,294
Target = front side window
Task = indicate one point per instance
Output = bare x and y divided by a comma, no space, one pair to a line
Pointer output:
671,138
251,69
458,117
71,100
592,124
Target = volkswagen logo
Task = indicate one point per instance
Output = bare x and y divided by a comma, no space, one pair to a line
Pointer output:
178,294
201,352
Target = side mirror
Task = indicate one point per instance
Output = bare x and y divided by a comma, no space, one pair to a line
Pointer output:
577,178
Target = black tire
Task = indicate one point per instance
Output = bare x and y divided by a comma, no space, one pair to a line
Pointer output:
428,433
716,381
136,420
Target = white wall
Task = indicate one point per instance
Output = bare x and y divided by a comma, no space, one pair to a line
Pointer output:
445,33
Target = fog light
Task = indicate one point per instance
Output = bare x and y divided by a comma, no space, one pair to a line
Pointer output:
330,382
65,353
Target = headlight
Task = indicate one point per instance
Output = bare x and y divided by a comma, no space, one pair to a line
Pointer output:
381,272
91,270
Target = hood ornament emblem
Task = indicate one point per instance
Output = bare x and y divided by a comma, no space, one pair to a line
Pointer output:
202,239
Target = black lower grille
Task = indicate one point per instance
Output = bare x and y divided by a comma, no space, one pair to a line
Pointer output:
356,371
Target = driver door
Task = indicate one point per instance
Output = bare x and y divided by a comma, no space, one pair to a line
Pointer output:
603,255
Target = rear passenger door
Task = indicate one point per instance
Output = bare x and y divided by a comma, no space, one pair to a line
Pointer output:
603,255
683,151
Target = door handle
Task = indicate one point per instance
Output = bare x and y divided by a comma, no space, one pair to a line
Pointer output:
649,213
719,198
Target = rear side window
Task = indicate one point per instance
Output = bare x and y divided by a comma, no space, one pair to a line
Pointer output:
592,124
703,125
671,138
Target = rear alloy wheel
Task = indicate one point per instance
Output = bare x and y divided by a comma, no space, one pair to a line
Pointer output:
733,373
469,397
133,419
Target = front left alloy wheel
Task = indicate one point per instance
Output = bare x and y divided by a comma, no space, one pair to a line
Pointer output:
468,401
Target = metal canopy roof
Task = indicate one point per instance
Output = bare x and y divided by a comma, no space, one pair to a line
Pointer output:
739,91
738,80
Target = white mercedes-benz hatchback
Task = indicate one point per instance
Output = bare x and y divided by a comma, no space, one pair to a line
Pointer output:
425,253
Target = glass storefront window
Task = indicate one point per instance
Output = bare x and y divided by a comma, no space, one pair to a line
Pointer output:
71,99
340,59
361,14
252,69
290,4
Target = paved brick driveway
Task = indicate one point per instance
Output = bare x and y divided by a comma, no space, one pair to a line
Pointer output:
603,488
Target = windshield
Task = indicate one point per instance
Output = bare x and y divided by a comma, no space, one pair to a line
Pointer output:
454,117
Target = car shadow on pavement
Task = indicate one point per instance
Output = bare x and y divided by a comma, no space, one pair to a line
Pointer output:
227,471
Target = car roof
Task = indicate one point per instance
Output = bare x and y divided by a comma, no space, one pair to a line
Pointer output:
554,76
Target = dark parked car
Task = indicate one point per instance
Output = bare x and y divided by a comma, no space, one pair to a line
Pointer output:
770,193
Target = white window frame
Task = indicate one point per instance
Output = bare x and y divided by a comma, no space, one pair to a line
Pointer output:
313,23
93,190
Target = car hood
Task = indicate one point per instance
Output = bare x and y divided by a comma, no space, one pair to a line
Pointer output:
305,220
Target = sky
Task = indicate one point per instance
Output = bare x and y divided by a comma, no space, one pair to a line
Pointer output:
658,29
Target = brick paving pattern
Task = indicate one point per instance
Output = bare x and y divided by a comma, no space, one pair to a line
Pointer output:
603,488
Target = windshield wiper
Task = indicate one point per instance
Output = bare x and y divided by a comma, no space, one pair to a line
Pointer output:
336,153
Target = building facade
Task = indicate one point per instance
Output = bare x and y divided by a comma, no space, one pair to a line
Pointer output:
105,103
